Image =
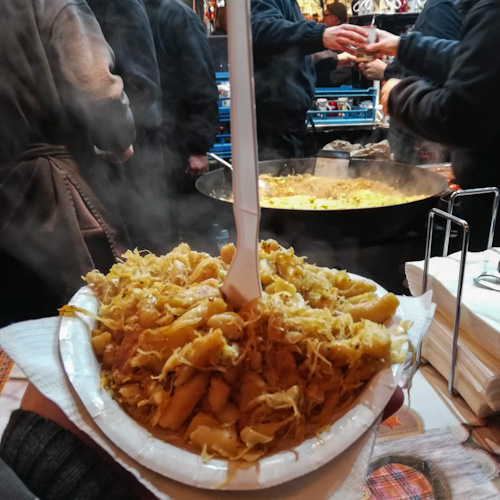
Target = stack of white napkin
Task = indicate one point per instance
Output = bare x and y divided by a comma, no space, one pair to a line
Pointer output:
477,375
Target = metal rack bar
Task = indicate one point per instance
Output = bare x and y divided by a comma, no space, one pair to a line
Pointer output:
465,248
450,218
471,192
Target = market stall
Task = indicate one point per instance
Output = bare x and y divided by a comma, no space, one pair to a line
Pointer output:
346,360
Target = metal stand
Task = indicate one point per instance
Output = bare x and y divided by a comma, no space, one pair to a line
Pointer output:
471,192
450,218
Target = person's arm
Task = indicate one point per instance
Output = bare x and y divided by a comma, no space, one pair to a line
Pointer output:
41,420
427,56
87,85
273,34
125,26
464,112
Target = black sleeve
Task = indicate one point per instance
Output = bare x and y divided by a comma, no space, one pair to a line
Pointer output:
54,463
427,56
125,26
393,70
199,95
272,33
464,112
328,64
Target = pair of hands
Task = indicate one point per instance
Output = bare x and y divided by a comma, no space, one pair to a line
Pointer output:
348,38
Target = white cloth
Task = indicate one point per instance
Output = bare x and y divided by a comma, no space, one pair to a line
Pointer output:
477,370
33,345
477,377
480,312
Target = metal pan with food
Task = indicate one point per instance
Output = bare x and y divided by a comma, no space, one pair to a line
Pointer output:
419,191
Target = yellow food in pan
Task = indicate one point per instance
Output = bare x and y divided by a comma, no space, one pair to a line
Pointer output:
308,192
238,383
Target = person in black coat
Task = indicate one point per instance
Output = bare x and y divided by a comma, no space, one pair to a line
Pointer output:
439,18
462,109
284,71
58,101
140,183
190,109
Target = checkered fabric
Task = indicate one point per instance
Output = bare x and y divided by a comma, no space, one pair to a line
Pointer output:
397,482
6,365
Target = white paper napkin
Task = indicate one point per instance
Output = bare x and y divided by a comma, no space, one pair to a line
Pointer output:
33,345
469,386
480,313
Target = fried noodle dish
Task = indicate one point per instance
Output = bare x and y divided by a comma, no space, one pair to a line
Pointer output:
231,383
309,192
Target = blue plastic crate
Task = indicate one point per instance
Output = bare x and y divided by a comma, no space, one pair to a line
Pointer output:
222,146
222,76
356,115
222,150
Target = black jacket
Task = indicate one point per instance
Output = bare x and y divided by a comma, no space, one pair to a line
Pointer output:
465,111
55,88
125,26
141,183
439,18
190,95
284,71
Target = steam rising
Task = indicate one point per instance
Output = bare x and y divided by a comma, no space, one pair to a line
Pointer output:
59,202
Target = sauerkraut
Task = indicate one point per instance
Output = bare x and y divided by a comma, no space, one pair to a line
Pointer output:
238,383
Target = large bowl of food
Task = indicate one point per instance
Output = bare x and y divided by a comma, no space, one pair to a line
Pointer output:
240,398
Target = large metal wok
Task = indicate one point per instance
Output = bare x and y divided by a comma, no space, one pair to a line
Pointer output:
336,227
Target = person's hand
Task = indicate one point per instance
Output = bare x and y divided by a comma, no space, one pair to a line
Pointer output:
117,158
384,94
387,44
373,70
345,59
197,165
345,38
